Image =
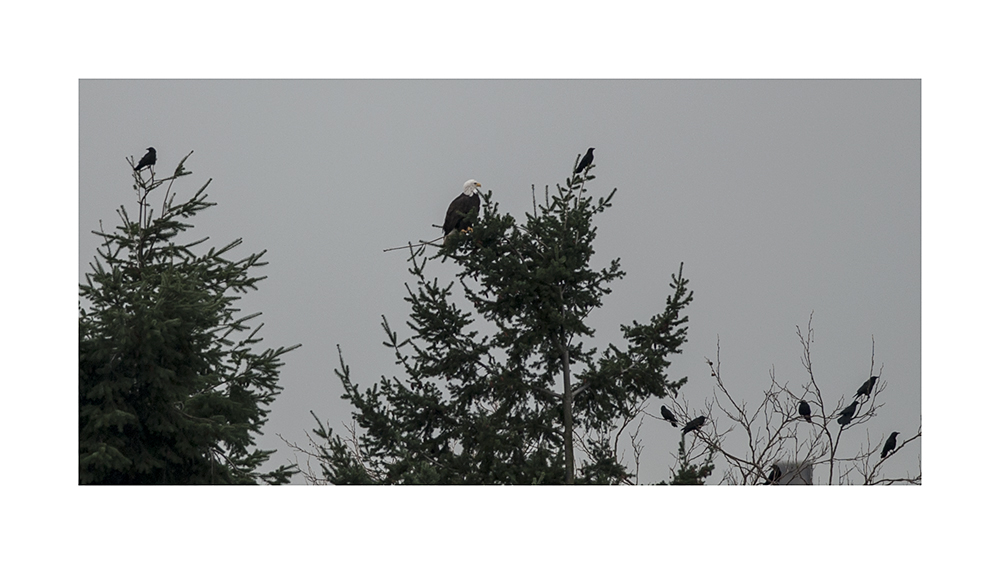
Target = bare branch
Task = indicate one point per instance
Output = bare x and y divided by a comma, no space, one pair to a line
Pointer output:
774,431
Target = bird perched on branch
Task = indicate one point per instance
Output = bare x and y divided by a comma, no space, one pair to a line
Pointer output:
149,159
667,415
890,444
847,414
867,387
586,161
774,475
463,209
694,424
805,411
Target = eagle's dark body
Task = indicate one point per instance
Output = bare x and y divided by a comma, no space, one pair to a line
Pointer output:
463,209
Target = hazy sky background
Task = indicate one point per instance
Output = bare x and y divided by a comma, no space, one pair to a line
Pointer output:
948,47
780,197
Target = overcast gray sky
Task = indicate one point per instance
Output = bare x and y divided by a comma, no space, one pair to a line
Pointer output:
47,224
780,197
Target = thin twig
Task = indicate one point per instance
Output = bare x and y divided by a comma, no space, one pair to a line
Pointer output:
420,244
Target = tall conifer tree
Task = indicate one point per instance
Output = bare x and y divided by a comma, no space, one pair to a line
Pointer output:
170,388
500,387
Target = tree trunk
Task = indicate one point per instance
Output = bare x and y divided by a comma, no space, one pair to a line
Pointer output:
567,416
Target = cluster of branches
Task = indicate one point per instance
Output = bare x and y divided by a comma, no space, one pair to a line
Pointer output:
171,390
771,432
507,393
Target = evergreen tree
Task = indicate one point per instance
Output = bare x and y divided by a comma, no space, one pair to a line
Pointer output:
170,389
502,389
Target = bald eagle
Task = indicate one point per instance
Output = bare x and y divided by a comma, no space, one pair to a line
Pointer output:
463,209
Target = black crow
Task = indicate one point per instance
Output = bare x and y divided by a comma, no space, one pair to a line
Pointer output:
774,475
867,387
890,444
804,410
585,161
694,424
847,414
149,159
667,415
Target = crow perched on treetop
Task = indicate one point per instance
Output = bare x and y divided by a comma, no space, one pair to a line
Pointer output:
585,161
847,414
867,387
694,424
805,411
890,444
149,159
667,415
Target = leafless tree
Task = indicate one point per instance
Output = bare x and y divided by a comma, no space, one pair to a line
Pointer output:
750,438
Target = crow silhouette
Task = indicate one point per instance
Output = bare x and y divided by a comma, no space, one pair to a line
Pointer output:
149,159
585,161
804,411
667,415
774,475
847,414
694,424
867,387
890,444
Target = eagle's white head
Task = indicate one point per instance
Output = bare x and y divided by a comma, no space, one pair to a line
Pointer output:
471,187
